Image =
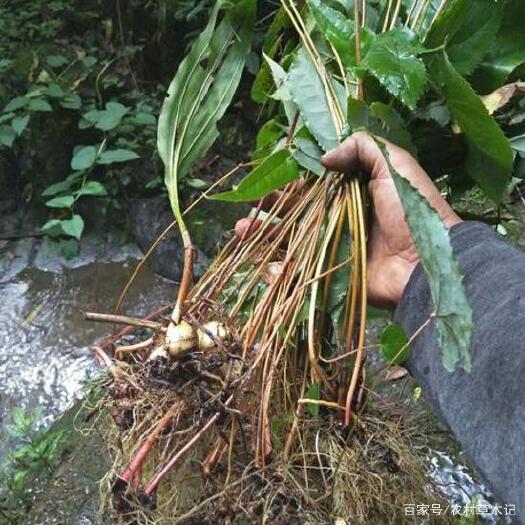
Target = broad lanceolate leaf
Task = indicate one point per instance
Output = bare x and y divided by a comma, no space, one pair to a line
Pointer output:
448,23
309,94
94,188
282,91
38,104
453,313
507,51
267,137
7,136
381,120
338,29
116,155
110,117
19,124
274,173
392,59
66,201
62,186
73,227
16,103
201,91
475,36
490,158
393,124
307,153
84,158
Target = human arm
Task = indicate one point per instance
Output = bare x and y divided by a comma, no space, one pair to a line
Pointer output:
485,408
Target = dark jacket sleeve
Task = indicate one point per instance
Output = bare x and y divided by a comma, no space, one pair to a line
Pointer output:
485,408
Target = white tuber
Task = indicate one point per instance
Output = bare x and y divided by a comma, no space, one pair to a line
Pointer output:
183,337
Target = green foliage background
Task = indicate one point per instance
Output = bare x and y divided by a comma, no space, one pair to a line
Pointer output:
81,87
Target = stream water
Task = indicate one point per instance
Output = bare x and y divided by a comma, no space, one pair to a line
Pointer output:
45,343
44,340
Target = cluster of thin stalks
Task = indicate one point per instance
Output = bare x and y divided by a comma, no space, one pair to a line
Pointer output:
236,429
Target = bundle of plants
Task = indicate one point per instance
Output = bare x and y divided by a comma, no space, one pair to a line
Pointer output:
249,398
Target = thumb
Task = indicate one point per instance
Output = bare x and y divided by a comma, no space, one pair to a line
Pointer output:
358,151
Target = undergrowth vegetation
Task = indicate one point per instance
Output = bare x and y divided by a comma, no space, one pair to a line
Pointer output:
34,450
80,93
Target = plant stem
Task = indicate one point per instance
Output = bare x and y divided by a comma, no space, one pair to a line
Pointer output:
122,319
140,456
152,486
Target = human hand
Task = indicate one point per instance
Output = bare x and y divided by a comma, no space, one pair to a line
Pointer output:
392,254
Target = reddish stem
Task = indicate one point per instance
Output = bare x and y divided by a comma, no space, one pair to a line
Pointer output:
152,487
140,456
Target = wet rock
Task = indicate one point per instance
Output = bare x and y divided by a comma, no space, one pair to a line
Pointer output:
208,223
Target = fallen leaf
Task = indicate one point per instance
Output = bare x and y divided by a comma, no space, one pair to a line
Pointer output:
395,372
497,99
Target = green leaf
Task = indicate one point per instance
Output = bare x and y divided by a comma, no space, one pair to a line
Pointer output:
55,188
16,103
263,81
274,173
308,93
66,201
313,393
267,137
93,187
70,227
197,184
381,120
84,157
52,228
452,311
54,90
56,60
110,117
19,124
6,116
73,227
507,51
392,59
447,24
39,104
490,157
200,93
61,186
145,119
71,101
337,29
359,116
7,136
116,155
394,344
282,92
393,124
307,153
20,419
475,36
